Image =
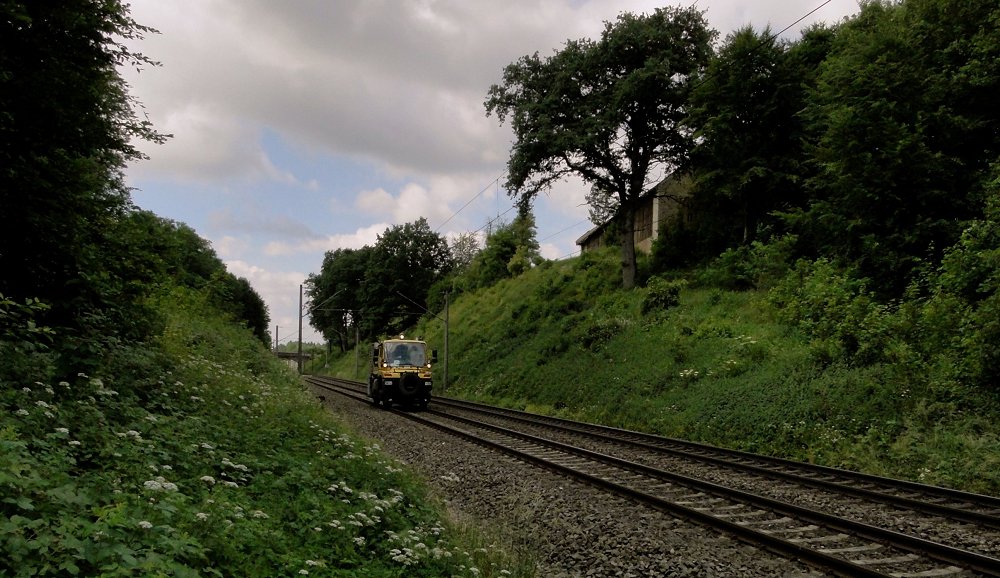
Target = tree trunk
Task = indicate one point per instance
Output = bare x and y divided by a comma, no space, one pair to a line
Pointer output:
628,246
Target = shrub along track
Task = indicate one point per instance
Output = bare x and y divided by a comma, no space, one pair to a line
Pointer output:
837,544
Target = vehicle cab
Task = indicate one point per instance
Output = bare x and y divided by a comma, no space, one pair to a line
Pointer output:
401,372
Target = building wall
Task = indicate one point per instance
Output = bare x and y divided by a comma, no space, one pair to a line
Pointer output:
658,205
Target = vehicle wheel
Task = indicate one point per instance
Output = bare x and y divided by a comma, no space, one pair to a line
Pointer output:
409,385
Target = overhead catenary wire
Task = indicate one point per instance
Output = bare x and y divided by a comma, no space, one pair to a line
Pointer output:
576,224
769,39
469,202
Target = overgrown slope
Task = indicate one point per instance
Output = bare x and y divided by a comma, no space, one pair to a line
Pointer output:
724,367
202,455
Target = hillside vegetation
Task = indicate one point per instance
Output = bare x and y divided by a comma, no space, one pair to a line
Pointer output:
807,366
200,454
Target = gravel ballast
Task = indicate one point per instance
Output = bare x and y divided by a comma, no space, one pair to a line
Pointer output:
571,529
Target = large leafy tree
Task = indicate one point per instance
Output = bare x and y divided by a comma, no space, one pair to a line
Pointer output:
746,162
607,111
904,123
464,248
406,261
510,250
335,294
236,297
160,251
67,129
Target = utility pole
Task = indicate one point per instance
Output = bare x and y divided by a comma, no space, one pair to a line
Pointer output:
300,329
444,386
275,339
357,352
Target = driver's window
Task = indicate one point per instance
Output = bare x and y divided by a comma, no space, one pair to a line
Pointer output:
400,355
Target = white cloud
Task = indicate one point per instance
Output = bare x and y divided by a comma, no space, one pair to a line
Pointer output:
402,83
363,236
231,247
374,201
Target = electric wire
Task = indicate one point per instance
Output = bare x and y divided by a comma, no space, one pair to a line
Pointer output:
469,202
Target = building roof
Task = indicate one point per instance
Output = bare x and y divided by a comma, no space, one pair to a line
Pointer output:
586,236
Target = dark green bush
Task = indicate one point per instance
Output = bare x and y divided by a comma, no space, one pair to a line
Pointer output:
754,266
661,295
837,310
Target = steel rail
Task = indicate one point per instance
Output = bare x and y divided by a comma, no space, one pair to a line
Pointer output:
979,563
987,565
982,500
656,444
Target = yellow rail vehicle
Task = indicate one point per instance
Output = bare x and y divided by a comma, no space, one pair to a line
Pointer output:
401,373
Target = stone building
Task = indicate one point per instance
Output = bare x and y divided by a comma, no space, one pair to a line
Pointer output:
660,204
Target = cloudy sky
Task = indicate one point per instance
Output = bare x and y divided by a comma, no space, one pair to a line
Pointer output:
304,126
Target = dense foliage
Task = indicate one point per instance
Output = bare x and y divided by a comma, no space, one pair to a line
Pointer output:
510,249
66,130
870,140
71,238
902,134
201,455
748,158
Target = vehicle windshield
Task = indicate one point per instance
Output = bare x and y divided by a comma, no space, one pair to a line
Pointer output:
405,354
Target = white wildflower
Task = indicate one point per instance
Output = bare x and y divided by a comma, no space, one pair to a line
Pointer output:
208,480
145,525
62,430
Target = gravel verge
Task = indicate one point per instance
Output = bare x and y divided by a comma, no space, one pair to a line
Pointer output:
571,529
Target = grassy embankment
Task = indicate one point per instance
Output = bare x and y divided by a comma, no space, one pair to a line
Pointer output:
723,367
204,456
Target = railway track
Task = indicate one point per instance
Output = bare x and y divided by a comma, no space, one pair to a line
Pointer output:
841,546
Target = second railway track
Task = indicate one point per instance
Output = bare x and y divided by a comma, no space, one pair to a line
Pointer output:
840,545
